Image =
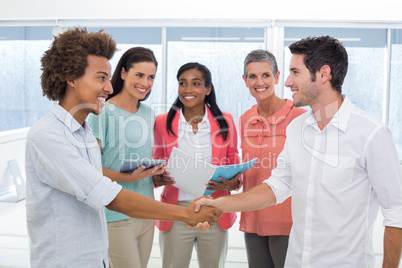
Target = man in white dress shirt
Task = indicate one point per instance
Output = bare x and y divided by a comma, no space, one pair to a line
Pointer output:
66,190
339,164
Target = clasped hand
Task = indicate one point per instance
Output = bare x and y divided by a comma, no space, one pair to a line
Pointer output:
201,204
207,202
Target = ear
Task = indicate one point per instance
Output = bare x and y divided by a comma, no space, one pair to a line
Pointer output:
208,90
71,83
277,77
325,73
123,73
245,79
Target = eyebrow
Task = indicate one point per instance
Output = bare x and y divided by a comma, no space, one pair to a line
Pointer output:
194,79
267,72
144,74
101,72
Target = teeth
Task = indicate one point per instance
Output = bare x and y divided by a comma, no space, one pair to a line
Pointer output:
189,97
101,99
260,89
141,90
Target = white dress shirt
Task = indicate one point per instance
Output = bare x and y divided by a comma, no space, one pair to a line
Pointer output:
338,179
66,194
196,144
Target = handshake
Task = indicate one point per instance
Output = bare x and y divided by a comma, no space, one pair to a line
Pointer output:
207,210
202,213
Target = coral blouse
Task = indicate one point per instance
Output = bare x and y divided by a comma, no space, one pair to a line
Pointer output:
224,152
264,138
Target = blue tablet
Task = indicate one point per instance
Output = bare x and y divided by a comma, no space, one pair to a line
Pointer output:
129,165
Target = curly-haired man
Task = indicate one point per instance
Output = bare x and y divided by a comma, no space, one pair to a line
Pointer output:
66,191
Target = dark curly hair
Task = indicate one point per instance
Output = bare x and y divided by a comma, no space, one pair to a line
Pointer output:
67,58
320,51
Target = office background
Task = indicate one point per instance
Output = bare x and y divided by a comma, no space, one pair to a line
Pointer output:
218,34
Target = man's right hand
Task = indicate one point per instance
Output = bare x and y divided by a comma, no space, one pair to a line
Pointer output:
205,215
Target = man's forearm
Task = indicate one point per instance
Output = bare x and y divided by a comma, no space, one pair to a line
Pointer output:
392,247
139,206
258,197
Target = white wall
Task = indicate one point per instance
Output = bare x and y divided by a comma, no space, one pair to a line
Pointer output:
385,10
13,234
12,147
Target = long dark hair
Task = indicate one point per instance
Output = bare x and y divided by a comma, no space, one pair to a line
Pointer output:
130,57
210,100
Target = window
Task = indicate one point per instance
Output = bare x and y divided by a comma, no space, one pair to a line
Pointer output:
395,110
222,51
21,100
365,82
127,38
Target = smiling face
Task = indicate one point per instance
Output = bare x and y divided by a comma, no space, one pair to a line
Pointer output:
139,79
87,94
305,91
192,89
261,80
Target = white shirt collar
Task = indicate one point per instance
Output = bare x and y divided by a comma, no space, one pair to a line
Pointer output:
204,122
340,119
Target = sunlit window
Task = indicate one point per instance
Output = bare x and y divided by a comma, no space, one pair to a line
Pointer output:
222,50
127,38
21,100
365,81
395,110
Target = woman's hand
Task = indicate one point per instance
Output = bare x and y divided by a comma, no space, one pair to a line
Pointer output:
163,179
225,185
141,172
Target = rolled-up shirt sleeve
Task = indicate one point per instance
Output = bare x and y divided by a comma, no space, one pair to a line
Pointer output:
103,194
67,170
385,175
281,177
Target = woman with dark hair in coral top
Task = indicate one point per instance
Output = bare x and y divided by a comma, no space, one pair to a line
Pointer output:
196,125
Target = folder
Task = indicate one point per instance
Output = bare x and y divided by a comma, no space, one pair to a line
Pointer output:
192,175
